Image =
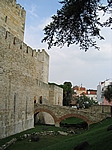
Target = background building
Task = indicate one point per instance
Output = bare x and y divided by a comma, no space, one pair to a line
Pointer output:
79,91
100,89
92,94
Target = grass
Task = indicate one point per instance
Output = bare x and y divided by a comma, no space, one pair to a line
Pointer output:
97,136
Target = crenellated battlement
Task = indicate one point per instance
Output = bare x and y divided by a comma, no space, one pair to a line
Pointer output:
13,5
22,12
39,59
12,41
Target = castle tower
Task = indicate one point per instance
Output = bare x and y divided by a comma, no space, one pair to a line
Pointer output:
23,74
12,17
43,66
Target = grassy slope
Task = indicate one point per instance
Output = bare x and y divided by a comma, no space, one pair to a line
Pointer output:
97,136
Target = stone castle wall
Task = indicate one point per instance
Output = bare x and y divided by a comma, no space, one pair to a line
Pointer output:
55,95
12,17
23,75
22,80
19,84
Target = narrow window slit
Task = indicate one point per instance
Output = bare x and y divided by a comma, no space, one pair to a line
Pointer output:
9,46
21,46
6,19
27,50
6,35
14,42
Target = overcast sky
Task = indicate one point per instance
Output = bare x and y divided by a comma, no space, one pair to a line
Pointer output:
67,64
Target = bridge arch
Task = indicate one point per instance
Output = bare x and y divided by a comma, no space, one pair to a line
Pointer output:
60,113
76,116
47,111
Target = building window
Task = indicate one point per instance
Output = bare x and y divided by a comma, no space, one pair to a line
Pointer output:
27,50
14,102
34,99
14,42
40,99
21,46
6,19
6,35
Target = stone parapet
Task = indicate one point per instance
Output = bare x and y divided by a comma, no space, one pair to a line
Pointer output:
60,113
39,60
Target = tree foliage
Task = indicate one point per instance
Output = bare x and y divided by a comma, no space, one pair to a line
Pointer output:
108,93
77,22
85,101
67,93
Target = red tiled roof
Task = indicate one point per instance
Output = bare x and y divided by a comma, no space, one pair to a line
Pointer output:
79,88
82,88
91,92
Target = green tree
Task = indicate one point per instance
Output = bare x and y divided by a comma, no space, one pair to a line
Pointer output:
67,93
108,93
84,101
77,22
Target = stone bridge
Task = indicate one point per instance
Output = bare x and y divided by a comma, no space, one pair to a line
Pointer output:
59,113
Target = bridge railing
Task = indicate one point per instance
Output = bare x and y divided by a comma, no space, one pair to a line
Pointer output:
101,108
94,108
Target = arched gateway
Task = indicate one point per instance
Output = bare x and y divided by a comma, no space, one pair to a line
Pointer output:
60,113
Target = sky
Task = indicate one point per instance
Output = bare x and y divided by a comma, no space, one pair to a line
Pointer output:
67,64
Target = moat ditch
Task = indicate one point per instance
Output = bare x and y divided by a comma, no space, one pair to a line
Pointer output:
72,123
81,125
75,124
74,128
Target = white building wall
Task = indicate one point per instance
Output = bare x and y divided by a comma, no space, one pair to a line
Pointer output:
100,88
